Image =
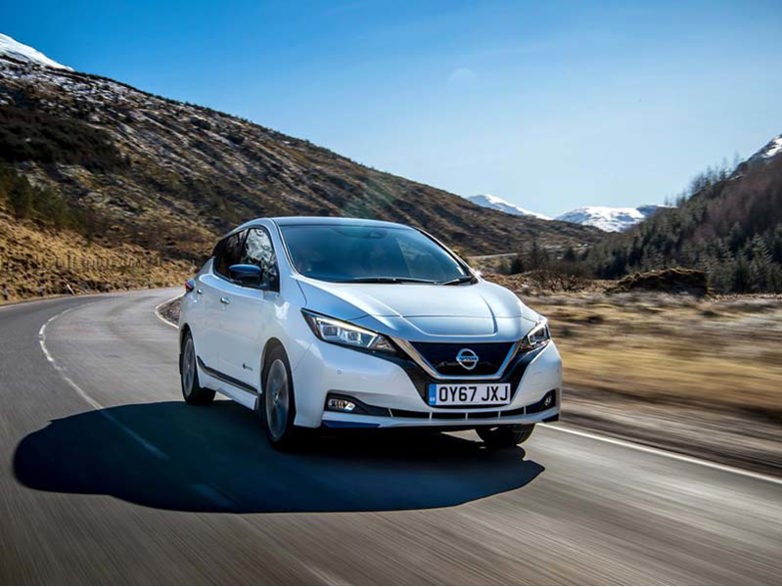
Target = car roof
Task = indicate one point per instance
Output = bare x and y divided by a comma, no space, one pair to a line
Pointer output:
333,221
316,221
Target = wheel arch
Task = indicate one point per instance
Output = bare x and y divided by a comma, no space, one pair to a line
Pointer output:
270,345
183,331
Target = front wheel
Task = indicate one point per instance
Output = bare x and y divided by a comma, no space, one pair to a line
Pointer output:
505,436
191,387
277,405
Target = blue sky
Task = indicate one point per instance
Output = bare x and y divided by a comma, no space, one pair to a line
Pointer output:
551,105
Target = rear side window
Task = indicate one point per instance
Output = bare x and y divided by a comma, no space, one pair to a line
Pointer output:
229,252
258,250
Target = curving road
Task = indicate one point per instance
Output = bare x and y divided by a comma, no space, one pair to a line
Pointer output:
108,477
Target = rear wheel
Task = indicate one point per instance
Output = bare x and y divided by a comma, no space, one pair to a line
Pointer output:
505,436
277,405
191,387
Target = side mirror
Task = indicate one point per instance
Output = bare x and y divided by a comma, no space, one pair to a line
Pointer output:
249,275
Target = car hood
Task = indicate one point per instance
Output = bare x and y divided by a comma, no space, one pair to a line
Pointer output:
422,311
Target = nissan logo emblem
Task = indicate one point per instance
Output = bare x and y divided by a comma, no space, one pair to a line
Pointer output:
467,359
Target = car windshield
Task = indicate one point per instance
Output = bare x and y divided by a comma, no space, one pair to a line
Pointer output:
370,254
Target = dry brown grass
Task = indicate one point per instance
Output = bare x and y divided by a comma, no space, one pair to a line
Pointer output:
720,352
32,258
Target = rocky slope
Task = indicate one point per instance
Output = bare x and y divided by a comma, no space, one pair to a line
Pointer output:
169,176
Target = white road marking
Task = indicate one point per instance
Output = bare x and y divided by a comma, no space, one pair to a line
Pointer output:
205,490
669,454
327,577
160,316
148,446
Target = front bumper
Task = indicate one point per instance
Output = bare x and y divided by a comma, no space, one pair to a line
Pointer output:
464,420
396,386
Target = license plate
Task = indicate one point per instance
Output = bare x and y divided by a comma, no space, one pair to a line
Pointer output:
469,394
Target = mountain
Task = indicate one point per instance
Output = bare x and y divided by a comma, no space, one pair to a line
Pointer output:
602,217
86,157
609,219
12,48
497,203
767,154
729,226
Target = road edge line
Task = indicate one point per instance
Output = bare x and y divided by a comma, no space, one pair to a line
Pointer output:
162,318
666,453
148,446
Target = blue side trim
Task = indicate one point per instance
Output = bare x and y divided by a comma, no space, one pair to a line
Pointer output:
227,378
340,424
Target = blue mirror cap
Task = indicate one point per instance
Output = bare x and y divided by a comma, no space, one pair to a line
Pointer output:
245,270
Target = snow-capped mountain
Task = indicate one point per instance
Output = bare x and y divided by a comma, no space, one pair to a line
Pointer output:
767,153
609,219
602,217
21,52
496,203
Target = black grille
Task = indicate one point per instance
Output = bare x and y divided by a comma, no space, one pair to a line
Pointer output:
442,356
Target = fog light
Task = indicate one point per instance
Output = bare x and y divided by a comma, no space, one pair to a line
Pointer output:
548,400
340,405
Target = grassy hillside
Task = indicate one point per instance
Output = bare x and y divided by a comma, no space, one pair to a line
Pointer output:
730,226
36,260
131,167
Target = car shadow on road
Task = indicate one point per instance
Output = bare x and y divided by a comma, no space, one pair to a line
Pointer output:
173,456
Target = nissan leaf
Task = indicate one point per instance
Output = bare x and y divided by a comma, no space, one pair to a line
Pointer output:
349,323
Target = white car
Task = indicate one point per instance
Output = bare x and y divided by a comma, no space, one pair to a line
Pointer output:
349,323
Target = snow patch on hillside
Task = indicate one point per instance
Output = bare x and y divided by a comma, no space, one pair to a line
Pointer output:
497,203
12,48
772,149
608,218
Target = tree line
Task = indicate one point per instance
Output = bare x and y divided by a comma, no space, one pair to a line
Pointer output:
727,224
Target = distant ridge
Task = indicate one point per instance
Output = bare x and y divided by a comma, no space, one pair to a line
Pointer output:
605,218
497,203
610,219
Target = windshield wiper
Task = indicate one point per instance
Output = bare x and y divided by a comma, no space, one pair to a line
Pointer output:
458,280
388,280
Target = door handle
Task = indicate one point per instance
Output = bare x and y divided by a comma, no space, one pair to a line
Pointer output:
225,300
199,291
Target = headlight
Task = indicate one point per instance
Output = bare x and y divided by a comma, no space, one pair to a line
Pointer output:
346,334
537,337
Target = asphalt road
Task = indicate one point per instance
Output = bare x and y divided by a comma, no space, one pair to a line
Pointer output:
108,477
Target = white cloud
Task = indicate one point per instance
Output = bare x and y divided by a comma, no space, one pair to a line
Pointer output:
462,77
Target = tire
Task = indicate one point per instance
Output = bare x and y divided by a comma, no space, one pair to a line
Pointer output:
192,391
506,436
277,404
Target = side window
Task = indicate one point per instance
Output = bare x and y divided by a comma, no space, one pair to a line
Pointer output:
229,252
258,250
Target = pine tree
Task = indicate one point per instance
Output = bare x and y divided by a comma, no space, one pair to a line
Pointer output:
760,263
741,276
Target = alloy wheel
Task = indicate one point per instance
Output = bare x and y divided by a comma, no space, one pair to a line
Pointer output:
188,367
277,393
